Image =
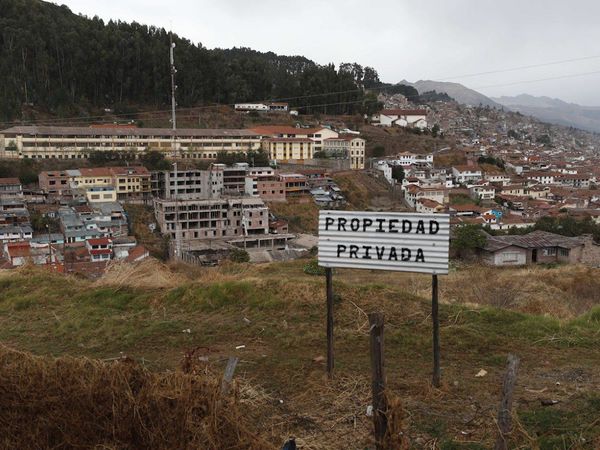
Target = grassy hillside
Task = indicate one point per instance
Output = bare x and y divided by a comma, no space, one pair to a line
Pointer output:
363,191
549,317
396,140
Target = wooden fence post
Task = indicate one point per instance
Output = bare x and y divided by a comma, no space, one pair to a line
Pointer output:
436,332
228,375
329,281
378,378
505,410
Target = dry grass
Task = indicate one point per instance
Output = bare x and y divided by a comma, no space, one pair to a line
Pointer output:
563,292
147,274
363,191
82,403
301,217
276,312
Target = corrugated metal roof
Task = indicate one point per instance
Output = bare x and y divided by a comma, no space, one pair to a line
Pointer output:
408,242
535,239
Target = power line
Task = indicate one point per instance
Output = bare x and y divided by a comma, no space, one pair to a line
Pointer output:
560,77
512,69
189,109
324,94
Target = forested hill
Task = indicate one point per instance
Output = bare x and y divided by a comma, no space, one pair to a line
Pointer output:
57,61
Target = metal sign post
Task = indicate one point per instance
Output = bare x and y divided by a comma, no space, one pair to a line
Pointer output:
329,282
404,242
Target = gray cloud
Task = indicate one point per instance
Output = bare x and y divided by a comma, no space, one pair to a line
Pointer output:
401,39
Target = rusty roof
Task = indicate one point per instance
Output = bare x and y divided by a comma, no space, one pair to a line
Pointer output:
535,239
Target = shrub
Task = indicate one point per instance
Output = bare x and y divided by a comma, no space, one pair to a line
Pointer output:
312,268
239,255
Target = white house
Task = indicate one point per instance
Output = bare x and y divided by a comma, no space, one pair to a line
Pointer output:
466,174
482,192
412,194
412,118
251,107
386,169
541,177
497,178
428,206
408,159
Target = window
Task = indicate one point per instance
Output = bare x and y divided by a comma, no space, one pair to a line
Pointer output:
564,252
510,257
550,251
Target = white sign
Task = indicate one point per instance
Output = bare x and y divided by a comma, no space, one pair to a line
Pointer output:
408,242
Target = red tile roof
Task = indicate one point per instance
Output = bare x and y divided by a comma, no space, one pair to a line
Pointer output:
272,130
8,181
130,170
101,251
99,241
95,172
136,253
277,139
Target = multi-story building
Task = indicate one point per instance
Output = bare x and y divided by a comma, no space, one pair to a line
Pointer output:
347,147
271,189
128,182
42,142
187,183
317,134
89,177
283,149
234,178
413,194
408,159
295,184
10,187
97,194
131,181
215,218
466,174
57,182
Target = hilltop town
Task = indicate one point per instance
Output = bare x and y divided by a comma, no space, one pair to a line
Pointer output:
219,190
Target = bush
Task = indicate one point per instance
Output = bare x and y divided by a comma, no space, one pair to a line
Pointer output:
313,268
239,255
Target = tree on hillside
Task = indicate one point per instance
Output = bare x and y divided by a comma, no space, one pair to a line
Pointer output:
467,238
154,160
398,173
93,64
258,158
435,130
378,151
543,139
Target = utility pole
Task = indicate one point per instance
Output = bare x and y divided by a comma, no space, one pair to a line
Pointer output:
173,88
49,245
177,224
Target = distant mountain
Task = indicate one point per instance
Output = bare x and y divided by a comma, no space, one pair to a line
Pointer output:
554,110
457,91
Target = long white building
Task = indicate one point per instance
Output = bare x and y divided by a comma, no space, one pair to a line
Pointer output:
42,142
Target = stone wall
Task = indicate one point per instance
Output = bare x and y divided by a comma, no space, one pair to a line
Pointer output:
590,254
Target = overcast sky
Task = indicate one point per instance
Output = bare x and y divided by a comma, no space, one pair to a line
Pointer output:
432,39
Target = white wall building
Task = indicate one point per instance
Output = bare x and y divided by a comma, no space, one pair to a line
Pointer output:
466,174
412,118
386,169
251,107
408,159
42,142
